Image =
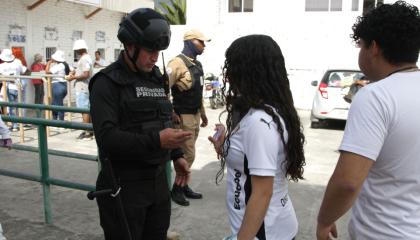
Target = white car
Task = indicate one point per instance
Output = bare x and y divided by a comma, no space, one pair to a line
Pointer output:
328,101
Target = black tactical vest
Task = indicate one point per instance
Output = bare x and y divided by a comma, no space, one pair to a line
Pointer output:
144,108
189,101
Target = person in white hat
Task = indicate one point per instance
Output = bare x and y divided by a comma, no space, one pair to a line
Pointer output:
186,83
82,75
12,66
57,65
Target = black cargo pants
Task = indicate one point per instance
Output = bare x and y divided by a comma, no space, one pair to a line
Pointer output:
146,199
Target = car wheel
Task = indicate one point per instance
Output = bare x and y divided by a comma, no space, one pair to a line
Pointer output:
315,124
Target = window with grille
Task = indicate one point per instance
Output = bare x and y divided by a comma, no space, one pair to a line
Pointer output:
323,5
49,51
336,5
355,5
241,5
248,6
316,5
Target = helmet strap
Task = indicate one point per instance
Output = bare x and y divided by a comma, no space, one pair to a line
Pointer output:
133,58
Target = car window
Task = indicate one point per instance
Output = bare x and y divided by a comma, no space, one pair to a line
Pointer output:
341,79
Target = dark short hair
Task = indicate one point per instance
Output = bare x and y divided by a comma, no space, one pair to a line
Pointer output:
395,28
97,52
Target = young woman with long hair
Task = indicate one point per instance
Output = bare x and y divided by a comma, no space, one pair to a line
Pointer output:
262,145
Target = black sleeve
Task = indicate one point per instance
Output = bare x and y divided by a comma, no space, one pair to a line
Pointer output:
176,153
104,110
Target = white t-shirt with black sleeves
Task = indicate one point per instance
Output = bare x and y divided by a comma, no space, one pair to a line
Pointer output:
256,149
384,126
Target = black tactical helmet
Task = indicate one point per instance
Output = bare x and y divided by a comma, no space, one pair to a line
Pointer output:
145,27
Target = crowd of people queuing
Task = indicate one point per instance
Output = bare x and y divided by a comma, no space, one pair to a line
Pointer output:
63,73
143,118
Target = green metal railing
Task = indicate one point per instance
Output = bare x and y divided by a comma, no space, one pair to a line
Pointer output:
43,150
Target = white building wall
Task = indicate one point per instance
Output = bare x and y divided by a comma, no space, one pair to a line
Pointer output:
311,41
126,5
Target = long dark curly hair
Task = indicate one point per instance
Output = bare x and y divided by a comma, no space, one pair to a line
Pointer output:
255,71
395,28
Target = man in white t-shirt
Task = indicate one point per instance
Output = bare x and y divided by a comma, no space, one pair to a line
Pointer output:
378,172
82,76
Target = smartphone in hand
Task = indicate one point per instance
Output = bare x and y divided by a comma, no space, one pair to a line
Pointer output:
217,134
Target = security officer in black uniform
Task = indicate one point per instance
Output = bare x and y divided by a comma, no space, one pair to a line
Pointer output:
131,117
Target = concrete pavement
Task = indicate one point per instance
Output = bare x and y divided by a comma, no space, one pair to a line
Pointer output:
76,218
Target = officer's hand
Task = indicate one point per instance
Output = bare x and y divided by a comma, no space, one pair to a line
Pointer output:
182,172
173,138
204,120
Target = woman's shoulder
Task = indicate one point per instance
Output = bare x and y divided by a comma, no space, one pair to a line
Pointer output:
256,117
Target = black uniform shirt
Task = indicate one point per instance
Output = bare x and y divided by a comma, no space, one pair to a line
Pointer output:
124,148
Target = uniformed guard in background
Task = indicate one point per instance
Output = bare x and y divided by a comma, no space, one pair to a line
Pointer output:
132,122
186,82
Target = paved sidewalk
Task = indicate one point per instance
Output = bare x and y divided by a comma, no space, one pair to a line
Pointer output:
76,218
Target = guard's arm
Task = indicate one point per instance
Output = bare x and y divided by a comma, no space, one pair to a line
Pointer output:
179,75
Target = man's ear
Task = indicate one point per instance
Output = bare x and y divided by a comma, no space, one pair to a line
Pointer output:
375,49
